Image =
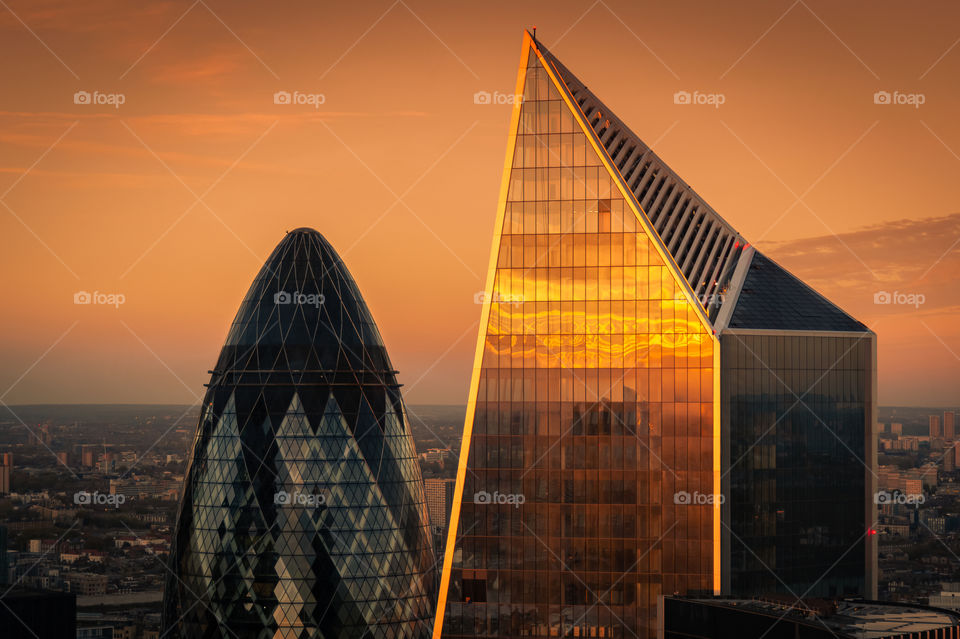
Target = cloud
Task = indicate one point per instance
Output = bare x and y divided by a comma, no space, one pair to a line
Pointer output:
908,255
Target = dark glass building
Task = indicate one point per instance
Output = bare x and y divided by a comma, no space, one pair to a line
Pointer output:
29,614
303,510
626,435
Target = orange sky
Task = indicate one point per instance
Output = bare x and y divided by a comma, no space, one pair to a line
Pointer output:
400,170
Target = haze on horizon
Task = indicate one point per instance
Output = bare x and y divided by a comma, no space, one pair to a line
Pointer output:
174,198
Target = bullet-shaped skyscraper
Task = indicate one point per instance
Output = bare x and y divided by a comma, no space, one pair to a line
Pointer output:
303,512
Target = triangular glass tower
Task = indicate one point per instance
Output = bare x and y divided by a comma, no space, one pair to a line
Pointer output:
591,400
598,449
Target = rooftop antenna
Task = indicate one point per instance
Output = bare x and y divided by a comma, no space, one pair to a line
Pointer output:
534,32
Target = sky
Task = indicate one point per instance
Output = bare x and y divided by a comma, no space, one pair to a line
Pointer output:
143,155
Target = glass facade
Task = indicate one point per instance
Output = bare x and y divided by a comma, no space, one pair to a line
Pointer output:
592,409
303,511
797,469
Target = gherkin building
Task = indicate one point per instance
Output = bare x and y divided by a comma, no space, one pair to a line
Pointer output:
303,511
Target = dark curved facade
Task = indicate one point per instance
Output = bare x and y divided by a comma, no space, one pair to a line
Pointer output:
303,513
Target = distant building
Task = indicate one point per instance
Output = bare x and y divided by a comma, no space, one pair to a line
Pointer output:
782,617
436,455
946,599
896,428
950,457
85,583
439,499
62,458
137,488
935,427
5,471
88,455
949,418
29,614
4,557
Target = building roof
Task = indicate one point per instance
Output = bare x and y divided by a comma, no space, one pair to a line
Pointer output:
705,247
773,298
848,619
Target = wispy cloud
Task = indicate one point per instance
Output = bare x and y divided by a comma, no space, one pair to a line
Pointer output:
913,255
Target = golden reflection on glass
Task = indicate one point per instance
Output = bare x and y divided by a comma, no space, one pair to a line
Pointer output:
594,403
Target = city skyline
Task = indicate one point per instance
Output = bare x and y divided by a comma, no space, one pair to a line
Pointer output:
852,193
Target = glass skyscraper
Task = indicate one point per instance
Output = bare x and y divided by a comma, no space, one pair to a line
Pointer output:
625,435
303,512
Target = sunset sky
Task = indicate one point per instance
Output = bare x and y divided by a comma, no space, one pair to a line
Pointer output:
175,198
